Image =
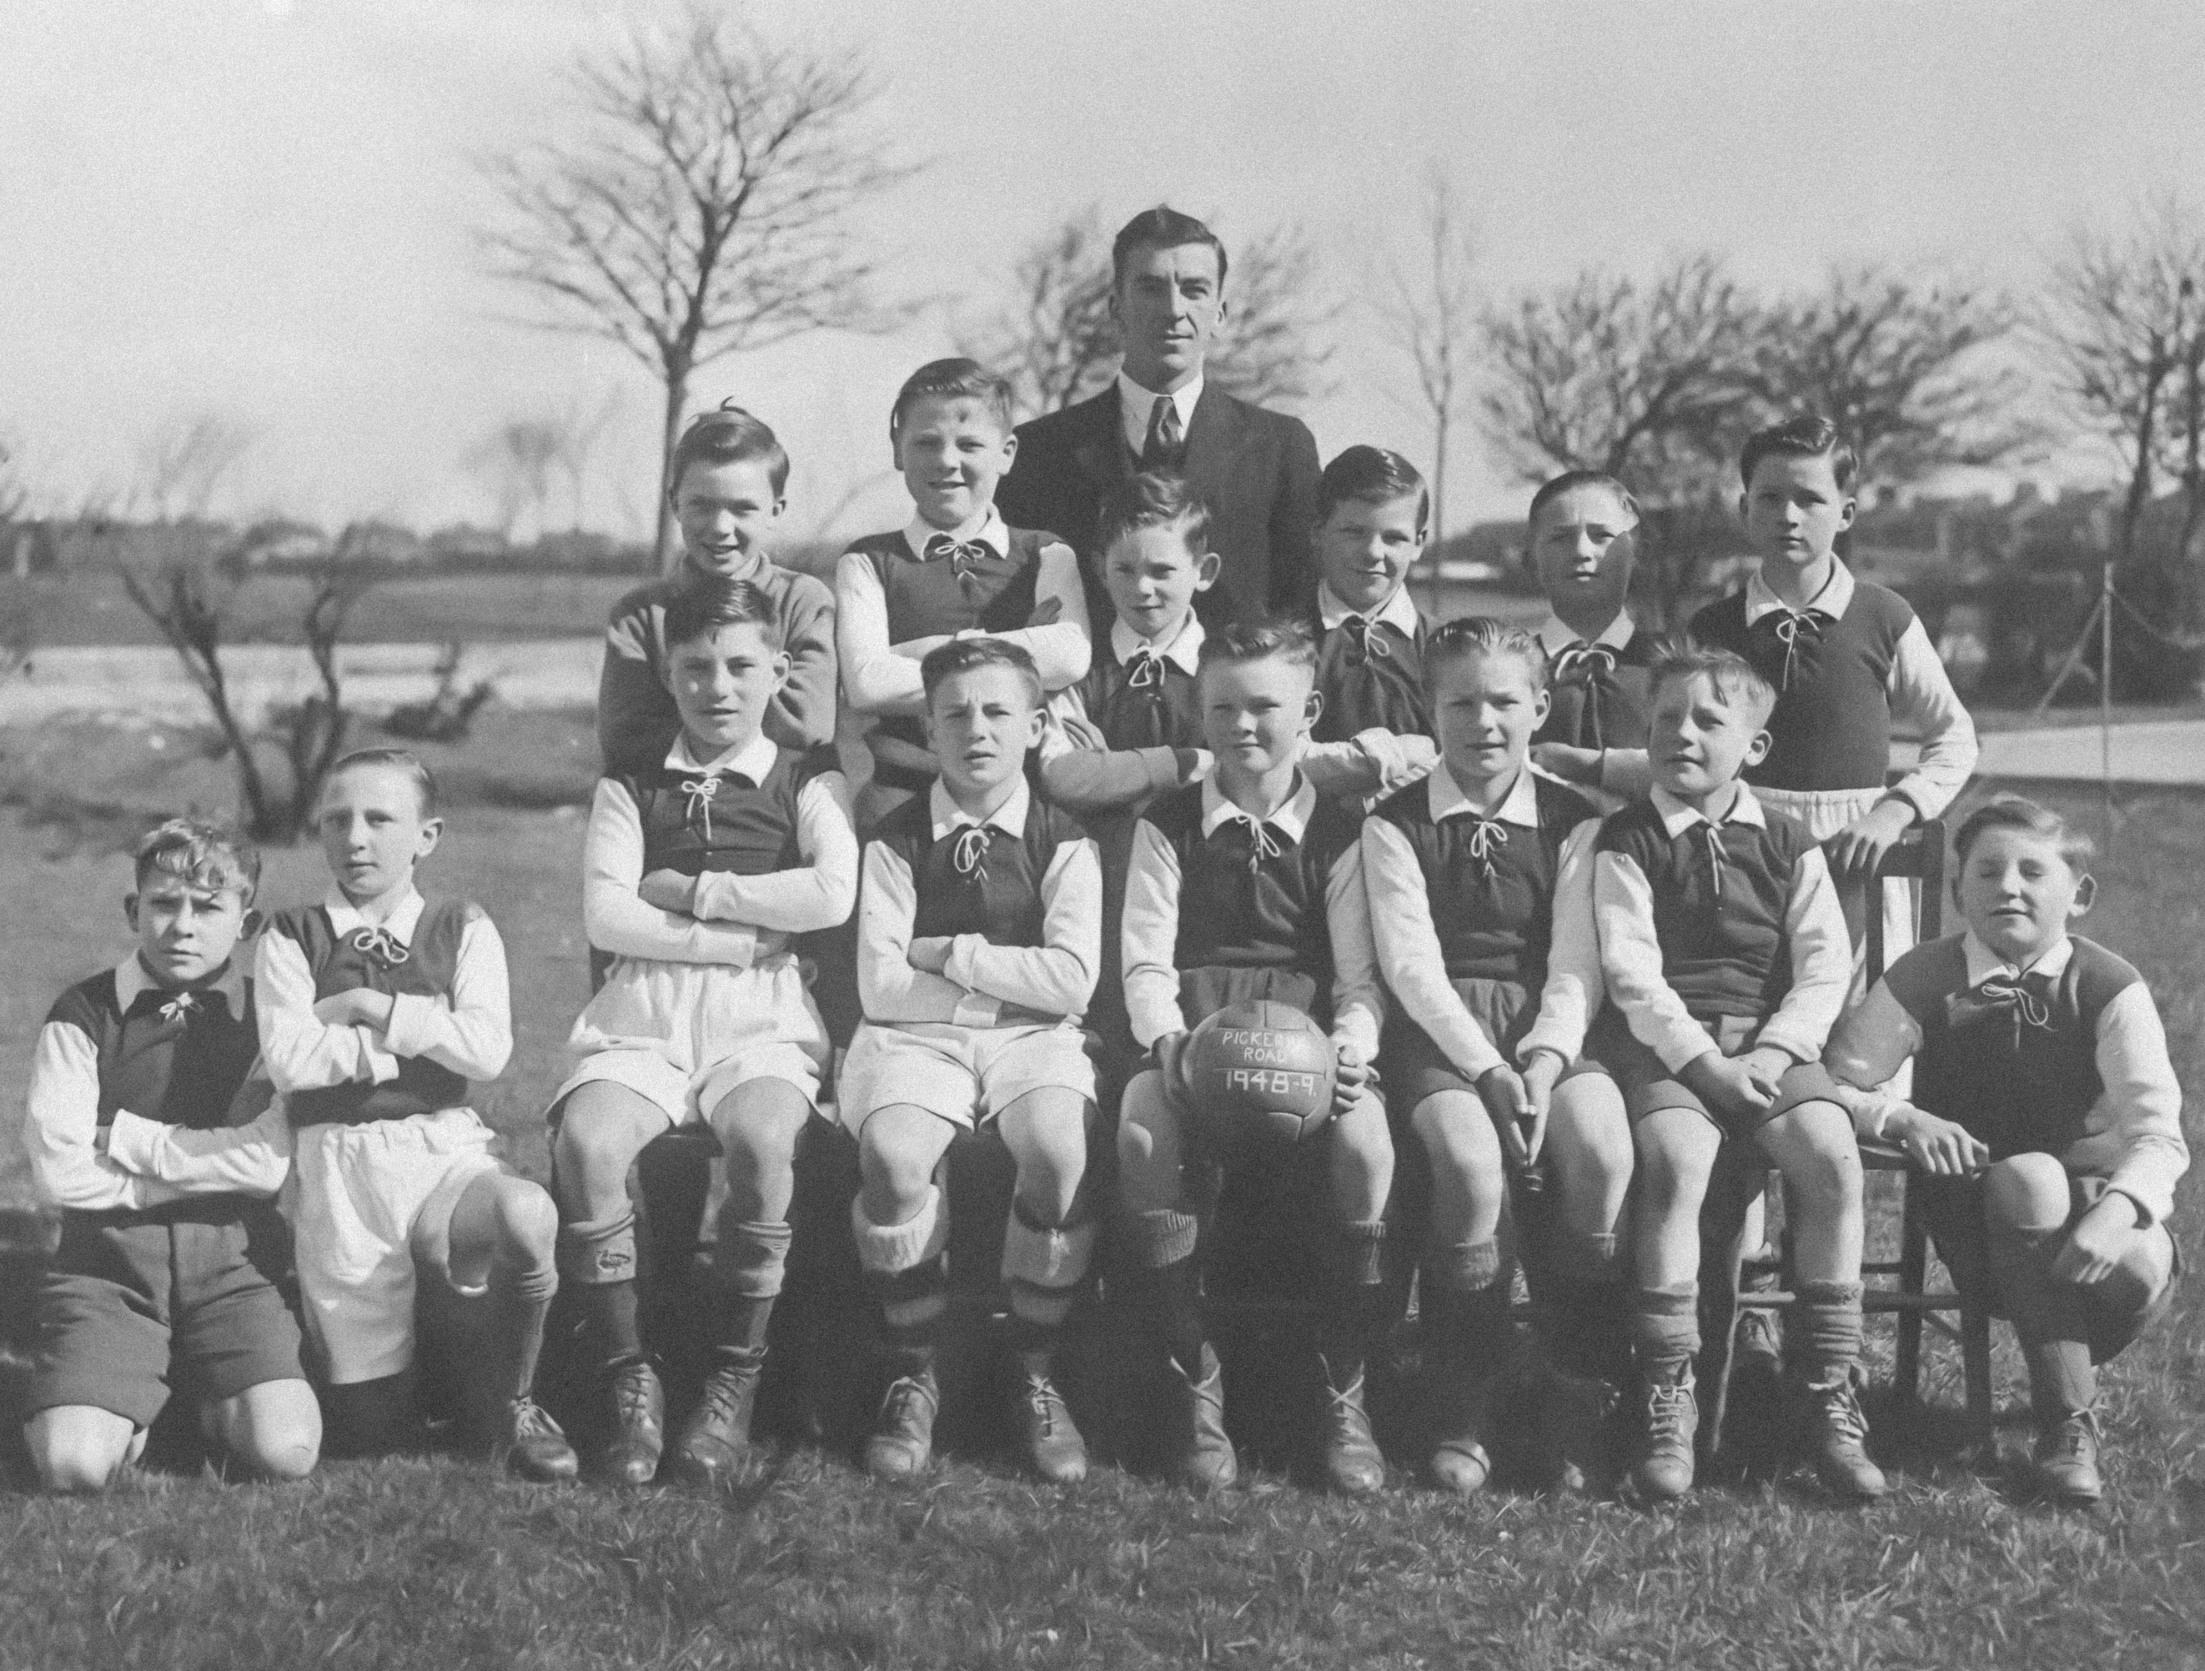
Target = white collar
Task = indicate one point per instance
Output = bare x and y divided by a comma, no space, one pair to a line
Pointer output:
1397,611
988,528
1983,963
1677,817
344,916
1835,598
1184,651
948,816
1134,401
1556,635
1520,806
131,979
1291,815
752,760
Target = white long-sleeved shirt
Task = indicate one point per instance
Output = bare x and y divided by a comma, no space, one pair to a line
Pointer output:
1917,690
145,1162
733,920
1081,770
2132,1134
1630,949
880,677
982,984
1415,966
1374,762
469,1029
1149,933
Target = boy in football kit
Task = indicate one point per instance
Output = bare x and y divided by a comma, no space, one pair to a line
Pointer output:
2044,1110
1373,734
979,934
956,570
695,876
170,1249
377,1006
1727,960
1241,888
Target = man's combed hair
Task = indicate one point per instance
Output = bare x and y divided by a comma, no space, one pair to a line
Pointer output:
1809,435
1259,639
1153,499
710,602
397,760
952,379
1556,486
1482,635
1736,680
1162,227
1373,474
2016,812
730,435
205,854
962,655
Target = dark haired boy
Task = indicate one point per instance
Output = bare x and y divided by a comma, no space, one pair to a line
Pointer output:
979,935
1584,528
1255,469
139,1126
955,570
1249,886
727,484
1727,960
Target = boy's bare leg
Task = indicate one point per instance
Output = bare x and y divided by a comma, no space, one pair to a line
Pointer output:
81,1447
1677,1149
1585,1312
504,1231
273,1428
1813,1146
602,1127
1047,1248
1464,1292
1153,1159
757,1124
902,1228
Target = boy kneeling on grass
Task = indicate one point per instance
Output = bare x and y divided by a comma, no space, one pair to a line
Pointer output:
2045,1112
138,1129
377,1007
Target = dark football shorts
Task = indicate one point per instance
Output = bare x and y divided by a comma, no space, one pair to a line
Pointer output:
1649,1086
1413,1068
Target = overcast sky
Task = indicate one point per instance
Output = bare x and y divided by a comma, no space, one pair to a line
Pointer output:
263,207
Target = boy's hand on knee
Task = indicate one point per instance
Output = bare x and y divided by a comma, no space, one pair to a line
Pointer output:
1728,1084
669,890
1166,1052
1521,1126
1350,1074
930,953
1942,1147
1858,850
2097,1242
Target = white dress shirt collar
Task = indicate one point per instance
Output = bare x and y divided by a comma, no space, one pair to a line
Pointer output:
948,816
1184,651
1555,635
753,760
1291,815
1136,405
1983,963
131,979
345,917
1397,611
988,528
1835,598
1677,816
1520,806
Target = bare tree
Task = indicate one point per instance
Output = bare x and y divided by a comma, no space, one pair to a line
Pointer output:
1906,367
1430,314
581,429
700,204
1056,341
515,461
182,462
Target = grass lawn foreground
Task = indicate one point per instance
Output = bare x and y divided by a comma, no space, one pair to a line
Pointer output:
434,1562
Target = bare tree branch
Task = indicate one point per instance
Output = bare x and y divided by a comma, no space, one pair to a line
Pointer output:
1428,312
183,460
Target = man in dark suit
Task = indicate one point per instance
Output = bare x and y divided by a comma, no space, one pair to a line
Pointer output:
1256,470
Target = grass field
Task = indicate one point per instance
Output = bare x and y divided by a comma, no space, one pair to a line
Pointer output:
432,1562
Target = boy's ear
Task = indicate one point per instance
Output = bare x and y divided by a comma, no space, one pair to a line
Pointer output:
432,832
1758,750
1542,706
1310,710
130,911
1205,571
249,924
1010,447
1845,517
1034,731
781,666
2086,894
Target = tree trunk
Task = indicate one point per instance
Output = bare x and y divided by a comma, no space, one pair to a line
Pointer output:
666,542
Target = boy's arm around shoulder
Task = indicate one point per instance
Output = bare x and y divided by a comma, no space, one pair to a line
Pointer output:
1374,761
1058,976
471,1031
636,719
802,712
819,893
301,1051
1083,773
2135,1129
61,1129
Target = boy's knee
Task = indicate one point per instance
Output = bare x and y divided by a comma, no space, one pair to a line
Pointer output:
593,1155
1828,1173
528,1219
2026,1192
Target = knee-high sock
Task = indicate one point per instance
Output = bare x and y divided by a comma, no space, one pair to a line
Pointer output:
1044,1265
1358,1299
1823,1335
907,1268
747,1267
524,1303
1665,1331
1585,1322
2049,1317
1169,1284
598,1258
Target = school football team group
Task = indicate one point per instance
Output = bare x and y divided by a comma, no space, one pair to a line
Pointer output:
978,836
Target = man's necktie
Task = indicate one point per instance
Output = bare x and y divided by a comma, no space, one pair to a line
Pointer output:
700,791
1589,668
2022,1001
970,855
1165,442
1789,628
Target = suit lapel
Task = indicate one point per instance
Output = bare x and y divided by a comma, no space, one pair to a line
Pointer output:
1216,437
